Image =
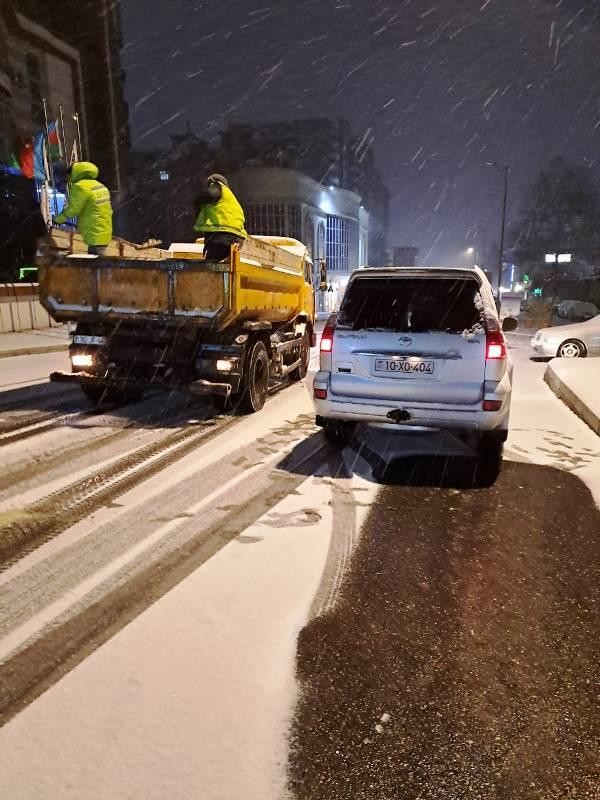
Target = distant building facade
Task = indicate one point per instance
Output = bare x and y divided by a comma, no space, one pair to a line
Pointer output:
69,53
278,201
34,64
323,149
330,221
163,185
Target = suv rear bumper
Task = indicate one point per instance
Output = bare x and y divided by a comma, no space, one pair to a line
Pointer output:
464,418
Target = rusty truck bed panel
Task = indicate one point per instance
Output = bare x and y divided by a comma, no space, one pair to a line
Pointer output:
262,282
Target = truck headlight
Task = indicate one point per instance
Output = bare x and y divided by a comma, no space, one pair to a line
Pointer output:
224,365
82,360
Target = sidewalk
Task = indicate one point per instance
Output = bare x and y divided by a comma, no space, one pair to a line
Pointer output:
27,343
575,382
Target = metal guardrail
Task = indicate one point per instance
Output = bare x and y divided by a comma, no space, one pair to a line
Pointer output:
20,308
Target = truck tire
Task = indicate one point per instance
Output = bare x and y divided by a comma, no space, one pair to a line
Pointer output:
301,372
255,381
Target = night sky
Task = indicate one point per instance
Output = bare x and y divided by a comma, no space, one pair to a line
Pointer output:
443,85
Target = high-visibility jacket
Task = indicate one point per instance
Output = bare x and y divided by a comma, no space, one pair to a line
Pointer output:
223,216
89,201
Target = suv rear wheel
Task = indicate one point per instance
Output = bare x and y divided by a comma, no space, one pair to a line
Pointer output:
338,432
489,460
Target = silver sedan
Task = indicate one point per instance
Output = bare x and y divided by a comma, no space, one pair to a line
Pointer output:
569,341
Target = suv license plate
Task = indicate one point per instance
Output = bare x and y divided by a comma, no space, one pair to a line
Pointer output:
404,367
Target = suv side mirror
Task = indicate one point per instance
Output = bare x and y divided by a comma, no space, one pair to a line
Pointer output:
509,324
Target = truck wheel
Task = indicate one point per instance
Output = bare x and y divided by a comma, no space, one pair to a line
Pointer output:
300,372
256,379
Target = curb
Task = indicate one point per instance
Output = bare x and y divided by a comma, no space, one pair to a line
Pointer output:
569,398
34,351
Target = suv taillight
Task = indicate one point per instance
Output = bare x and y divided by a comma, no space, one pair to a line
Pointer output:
495,346
327,338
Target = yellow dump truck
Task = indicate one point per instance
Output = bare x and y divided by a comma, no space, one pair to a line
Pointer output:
146,316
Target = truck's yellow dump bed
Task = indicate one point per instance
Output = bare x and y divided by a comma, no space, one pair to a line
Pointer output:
268,279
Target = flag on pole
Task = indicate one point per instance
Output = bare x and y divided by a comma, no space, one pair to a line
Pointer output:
39,158
26,158
42,154
74,153
45,205
54,144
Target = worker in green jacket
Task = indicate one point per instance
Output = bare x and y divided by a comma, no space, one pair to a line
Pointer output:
89,201
220,219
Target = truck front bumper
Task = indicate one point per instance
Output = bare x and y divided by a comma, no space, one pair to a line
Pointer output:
198,387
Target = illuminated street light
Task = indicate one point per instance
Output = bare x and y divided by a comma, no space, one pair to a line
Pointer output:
471,251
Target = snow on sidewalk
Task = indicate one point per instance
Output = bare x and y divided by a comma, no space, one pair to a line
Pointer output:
575,382
34,342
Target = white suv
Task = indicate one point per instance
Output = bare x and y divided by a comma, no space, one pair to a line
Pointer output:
418,347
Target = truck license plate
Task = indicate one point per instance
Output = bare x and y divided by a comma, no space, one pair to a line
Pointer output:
80,339
405,367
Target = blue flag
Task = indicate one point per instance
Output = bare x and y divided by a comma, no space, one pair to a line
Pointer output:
39,165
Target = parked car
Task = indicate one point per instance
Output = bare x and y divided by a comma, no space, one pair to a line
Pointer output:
569,341
564,307
577,310
418,347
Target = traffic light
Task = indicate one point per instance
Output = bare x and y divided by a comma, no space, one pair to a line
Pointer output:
525,278
537,292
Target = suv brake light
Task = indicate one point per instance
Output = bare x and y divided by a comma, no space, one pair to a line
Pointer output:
495,348
327,338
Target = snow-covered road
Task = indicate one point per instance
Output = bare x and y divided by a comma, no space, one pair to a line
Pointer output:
163,563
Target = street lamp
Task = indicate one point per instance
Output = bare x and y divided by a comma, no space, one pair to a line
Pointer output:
471,251
506,170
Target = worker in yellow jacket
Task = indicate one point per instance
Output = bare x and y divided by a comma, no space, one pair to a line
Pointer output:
89,201
220,219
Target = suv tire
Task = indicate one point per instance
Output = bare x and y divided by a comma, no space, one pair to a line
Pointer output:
489,460
337,432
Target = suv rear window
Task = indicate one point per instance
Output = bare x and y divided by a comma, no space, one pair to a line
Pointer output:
419,305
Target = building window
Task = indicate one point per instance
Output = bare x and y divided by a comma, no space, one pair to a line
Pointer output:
321,241
34,76
338,244
309,234
273,219
266,219
294,228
